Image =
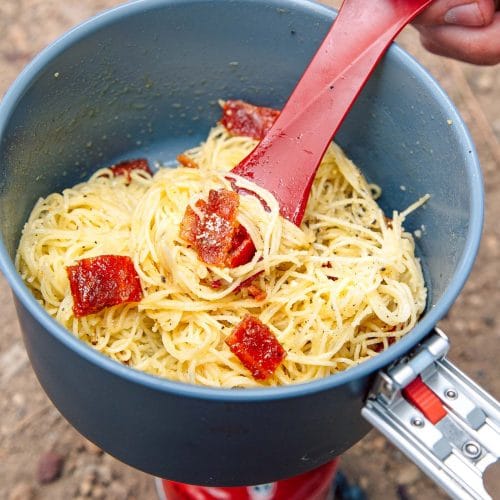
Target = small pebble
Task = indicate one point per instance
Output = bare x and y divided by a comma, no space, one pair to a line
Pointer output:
99,492
90,447
489,321
412,490
402,492
50,467
486,81
379,443
18,399
89,471
364,482
85,487
104,474
22,491
408,474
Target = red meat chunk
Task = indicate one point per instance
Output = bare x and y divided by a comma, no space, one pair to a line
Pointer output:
242,248
125,167
242,118
217,236
103,281
256,347
186,161
379,346
257,293
253,290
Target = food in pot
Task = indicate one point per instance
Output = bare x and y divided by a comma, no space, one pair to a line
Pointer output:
191,273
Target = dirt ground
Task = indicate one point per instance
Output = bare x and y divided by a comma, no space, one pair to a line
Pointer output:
30,427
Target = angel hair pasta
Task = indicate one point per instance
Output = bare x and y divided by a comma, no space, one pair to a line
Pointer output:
323,297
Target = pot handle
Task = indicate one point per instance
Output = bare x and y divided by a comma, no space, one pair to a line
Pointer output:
438,417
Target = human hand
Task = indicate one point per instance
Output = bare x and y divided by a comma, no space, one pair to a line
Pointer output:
468,30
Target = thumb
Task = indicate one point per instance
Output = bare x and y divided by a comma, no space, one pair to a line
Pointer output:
459,12
469,44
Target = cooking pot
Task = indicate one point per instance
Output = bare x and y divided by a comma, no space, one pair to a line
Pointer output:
143,80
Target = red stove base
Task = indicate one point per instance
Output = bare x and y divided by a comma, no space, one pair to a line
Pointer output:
312,485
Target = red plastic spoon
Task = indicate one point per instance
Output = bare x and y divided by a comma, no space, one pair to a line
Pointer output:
286,160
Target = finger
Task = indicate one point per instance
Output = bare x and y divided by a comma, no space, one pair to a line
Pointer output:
473,45
461,12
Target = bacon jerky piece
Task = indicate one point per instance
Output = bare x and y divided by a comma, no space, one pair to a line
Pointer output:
242,118
256,347
248,281
242,248
126,167
255,291
379,347
328,265
216,284
103,281
217,236
186,161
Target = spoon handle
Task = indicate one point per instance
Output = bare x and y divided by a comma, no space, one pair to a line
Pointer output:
286,160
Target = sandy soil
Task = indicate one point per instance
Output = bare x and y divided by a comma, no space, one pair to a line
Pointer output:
30,427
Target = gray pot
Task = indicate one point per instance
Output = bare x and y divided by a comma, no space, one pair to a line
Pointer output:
143,80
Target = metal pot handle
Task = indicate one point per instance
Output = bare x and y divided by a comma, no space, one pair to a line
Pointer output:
438,417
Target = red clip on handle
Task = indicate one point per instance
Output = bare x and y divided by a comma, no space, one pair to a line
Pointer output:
420,396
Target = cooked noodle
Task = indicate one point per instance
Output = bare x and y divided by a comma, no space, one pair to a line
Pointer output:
339,289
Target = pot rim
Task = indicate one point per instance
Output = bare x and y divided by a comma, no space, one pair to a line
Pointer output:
256,395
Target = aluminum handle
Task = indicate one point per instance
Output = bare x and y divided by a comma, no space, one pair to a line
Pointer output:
438,417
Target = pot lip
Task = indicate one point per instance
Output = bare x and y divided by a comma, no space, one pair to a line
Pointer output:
350,376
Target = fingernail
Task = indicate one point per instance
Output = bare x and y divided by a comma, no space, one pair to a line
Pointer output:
465,15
